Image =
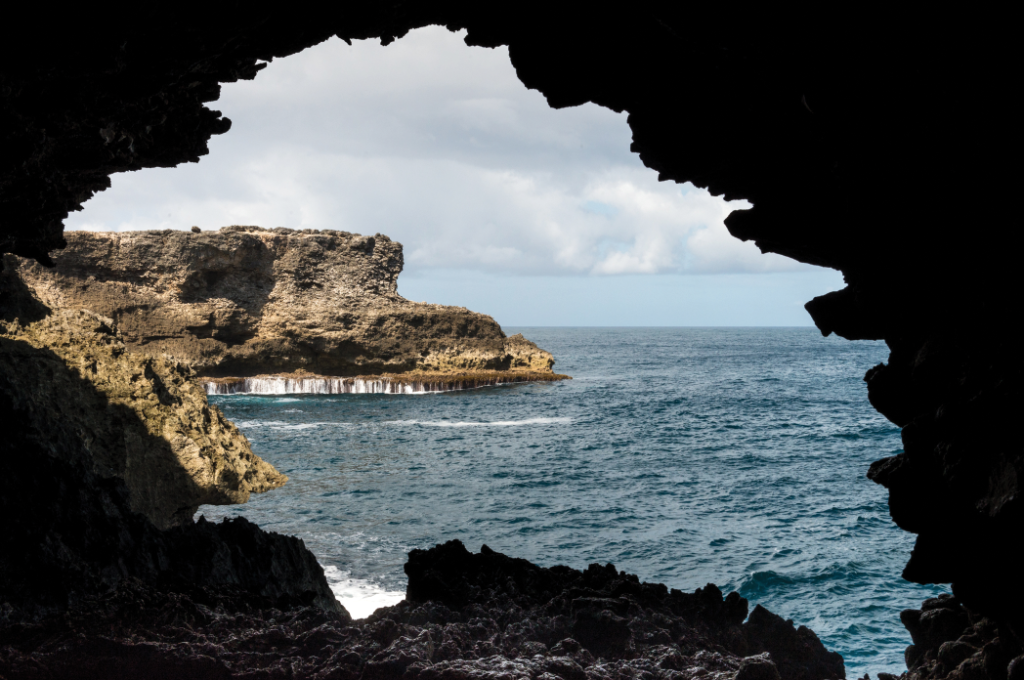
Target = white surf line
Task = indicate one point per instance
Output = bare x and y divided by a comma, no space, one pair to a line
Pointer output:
272,386
493,423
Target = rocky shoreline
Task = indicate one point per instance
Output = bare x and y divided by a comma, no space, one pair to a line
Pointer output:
466,615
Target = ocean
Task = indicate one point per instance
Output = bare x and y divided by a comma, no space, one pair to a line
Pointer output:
733,456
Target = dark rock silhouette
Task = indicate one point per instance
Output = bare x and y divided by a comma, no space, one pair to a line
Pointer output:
878,143
484,616
951,641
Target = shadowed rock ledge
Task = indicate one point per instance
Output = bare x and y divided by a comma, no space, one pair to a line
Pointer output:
247,301
466,616
137,418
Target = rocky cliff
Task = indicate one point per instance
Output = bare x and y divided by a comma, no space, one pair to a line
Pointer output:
246,301
104,458
139,419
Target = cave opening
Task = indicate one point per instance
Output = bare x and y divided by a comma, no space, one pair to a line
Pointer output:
498,197
803,120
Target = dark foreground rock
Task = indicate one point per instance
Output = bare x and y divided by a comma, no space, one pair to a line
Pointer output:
797,111
481,616
950,641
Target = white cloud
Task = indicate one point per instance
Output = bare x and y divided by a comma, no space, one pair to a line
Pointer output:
441,147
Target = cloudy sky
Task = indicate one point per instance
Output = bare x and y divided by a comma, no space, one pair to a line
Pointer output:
504,205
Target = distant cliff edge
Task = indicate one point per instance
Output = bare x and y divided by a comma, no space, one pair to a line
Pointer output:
249,301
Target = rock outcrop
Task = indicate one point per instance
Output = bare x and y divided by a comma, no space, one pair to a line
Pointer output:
466,616
247,301
104,458
952,642
136,418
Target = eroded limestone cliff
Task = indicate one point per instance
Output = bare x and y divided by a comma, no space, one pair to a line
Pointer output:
139,418
245,301
104,458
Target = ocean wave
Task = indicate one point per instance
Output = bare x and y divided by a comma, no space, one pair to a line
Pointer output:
359,596
492,423
245,424
283,425
305,426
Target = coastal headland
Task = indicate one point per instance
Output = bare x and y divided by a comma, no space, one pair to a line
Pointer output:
247,303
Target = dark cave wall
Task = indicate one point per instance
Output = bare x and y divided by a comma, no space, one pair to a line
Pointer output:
878,143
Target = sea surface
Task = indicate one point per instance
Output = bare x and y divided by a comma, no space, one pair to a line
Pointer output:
733,456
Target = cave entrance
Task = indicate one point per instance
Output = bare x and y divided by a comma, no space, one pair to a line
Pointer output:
688,455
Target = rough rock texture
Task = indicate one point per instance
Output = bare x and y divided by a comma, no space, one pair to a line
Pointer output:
482,616
878,142
951,642
247,301
104,457
132,417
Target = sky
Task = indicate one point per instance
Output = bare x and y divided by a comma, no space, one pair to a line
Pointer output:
536,216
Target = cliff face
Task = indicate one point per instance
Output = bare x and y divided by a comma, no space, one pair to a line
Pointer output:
246,301
105,456
136,418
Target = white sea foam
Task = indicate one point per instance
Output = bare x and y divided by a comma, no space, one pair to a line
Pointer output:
492,423
275,385
360,597
249,424
278,385
306,426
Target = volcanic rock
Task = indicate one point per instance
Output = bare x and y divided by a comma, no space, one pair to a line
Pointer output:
950,641
246,301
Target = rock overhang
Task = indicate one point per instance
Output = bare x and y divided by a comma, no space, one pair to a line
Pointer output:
875,144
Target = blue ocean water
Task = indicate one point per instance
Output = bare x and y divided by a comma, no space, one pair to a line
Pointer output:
684,455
